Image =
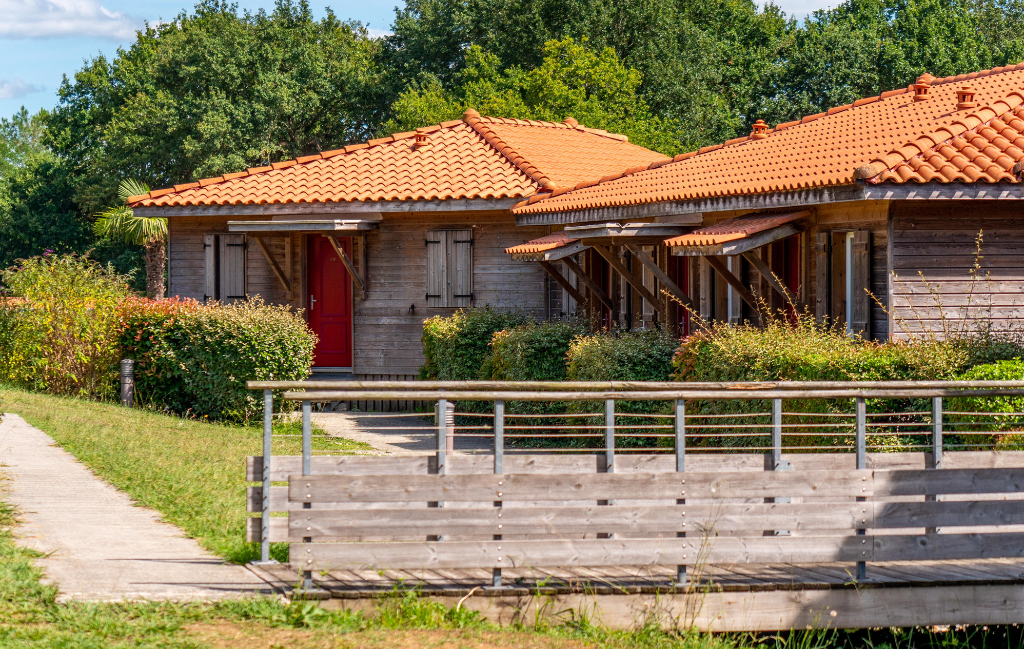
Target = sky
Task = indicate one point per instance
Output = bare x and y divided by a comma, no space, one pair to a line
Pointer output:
43,40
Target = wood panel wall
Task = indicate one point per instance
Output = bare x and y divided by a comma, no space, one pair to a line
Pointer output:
388,324
938,240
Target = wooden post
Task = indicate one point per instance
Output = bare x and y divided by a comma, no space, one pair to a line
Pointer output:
675,290
733,281
590,284
345,259
768,276
626,274
563,282
862,462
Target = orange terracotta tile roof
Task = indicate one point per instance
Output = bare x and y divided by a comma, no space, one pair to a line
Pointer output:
735,228
816,151
548,242
984,146
475,157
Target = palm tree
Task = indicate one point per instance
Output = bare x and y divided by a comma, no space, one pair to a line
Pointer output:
120,222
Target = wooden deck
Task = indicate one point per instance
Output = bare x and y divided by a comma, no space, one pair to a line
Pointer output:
722,598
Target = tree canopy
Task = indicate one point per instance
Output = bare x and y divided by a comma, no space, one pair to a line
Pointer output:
217,90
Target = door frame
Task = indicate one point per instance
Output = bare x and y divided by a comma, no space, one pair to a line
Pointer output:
307,284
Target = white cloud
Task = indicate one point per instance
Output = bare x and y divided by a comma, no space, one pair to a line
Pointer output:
377,33
16,88
56,18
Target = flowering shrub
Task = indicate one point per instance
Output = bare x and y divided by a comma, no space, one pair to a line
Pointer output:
61,336
195,359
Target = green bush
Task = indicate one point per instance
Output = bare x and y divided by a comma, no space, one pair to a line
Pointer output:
1002,424
195,360
531,352
456,347
807,351
632,356
61,335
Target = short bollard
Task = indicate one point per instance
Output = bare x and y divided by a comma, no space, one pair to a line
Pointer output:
127,382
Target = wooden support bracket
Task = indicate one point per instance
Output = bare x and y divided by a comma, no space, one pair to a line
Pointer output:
734,282
563,282
769,276
345,259
274,266
669,285
591,284
637,285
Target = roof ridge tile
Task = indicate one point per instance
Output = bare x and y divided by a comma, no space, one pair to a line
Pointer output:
472,118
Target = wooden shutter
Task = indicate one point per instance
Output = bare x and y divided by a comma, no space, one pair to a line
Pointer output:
210,253
860,267
460,267
821,276
437,280
232,268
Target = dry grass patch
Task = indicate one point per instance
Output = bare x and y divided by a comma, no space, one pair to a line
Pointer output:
228,635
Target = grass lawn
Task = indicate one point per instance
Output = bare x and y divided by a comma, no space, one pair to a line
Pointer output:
190,471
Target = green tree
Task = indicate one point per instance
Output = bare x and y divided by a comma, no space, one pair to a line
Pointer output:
572,80
213,92
121,223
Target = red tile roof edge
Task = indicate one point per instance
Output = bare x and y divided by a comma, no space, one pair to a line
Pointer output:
807,118
471,118
874,171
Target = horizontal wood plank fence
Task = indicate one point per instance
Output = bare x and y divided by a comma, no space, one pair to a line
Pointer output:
498,507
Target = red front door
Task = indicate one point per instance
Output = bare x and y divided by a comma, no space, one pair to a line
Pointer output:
330,302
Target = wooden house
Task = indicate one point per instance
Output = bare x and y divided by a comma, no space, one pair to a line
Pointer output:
370,240
868,215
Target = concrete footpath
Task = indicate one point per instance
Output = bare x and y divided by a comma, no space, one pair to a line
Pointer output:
98,545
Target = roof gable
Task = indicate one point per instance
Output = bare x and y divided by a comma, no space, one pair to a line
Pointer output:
816,151
476,157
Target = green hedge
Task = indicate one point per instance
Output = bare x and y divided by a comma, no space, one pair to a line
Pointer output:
195,360
455,347
1007,429
809,352
531,352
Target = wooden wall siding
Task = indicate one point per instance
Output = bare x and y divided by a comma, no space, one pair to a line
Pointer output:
937,239
387,332
188,263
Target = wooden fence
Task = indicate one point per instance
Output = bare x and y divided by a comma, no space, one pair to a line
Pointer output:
502,509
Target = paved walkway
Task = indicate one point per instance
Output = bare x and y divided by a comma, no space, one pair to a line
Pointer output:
100,546
394,434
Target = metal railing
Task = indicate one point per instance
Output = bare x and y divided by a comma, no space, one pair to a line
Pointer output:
666,417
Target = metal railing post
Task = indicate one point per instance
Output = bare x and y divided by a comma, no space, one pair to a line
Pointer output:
307,469
936,462
268,430
777,463
499,461
442,434
609,435
680,429
862,463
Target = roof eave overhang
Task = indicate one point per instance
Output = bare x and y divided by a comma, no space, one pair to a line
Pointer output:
738,246
319,209
296,225
859,191
551,255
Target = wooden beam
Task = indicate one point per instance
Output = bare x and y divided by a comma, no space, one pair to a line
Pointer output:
669,285
591,284
345,259
273,264
769,276
638,286
563,282
733,281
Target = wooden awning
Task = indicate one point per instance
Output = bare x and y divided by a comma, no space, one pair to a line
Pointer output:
354,226
737,235
547,248
632,233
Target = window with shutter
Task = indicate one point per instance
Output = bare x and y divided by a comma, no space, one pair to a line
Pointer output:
449,268
232,268
842,276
